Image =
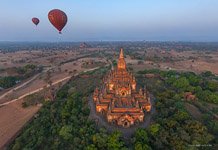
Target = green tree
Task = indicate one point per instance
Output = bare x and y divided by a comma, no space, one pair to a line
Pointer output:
181,115
141,146
114,142
212,86
100,139
65,132
181,83
141,140
154,129
7,82
207,74
91,147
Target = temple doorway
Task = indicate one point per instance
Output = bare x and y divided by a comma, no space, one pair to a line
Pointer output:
126,124
103,112
114,122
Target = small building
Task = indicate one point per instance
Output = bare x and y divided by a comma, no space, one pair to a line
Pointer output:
189,96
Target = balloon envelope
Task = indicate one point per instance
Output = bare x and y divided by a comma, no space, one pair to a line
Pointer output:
35,21
58,19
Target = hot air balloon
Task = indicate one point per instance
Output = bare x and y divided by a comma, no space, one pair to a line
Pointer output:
35,21
58,19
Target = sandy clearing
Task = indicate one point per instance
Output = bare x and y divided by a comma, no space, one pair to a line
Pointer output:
12,118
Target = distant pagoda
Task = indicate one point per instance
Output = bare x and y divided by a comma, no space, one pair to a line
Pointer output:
118,98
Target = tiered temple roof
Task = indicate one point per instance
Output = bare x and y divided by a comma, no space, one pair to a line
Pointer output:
118,98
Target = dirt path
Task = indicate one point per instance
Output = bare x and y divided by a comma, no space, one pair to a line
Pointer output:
112,66
18,87
35,91
40,89
23,84
13,116
91,69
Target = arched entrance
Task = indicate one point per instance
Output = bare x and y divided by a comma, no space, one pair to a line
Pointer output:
103,112
125,120
137,122
114,122
126,123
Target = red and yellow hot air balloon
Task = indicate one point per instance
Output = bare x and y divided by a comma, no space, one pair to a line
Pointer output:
58,19
35,21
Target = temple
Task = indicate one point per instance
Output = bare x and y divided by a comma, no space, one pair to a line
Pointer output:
118,98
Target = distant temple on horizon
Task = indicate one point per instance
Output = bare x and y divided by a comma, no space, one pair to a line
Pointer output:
118,98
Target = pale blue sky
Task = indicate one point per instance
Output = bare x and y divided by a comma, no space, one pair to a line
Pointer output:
90,20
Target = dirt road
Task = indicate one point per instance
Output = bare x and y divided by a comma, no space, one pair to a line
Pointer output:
18,87
35,91
13,116
23,84
40,89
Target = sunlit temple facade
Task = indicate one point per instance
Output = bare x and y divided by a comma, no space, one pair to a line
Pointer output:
119,100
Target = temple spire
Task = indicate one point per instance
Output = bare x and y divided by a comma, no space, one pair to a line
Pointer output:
121,53
121,62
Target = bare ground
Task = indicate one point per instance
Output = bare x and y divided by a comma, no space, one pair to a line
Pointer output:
12,118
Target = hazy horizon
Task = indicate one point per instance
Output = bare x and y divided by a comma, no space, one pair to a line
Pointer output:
114,20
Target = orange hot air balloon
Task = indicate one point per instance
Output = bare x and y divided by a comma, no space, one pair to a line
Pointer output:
35,21
58,19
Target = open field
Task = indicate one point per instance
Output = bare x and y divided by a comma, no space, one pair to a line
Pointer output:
60,66
184,61
12,118
46,58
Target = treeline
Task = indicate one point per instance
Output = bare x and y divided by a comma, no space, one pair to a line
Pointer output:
204,86
7,82
28,70
33,99
64,123
174,126
22,73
